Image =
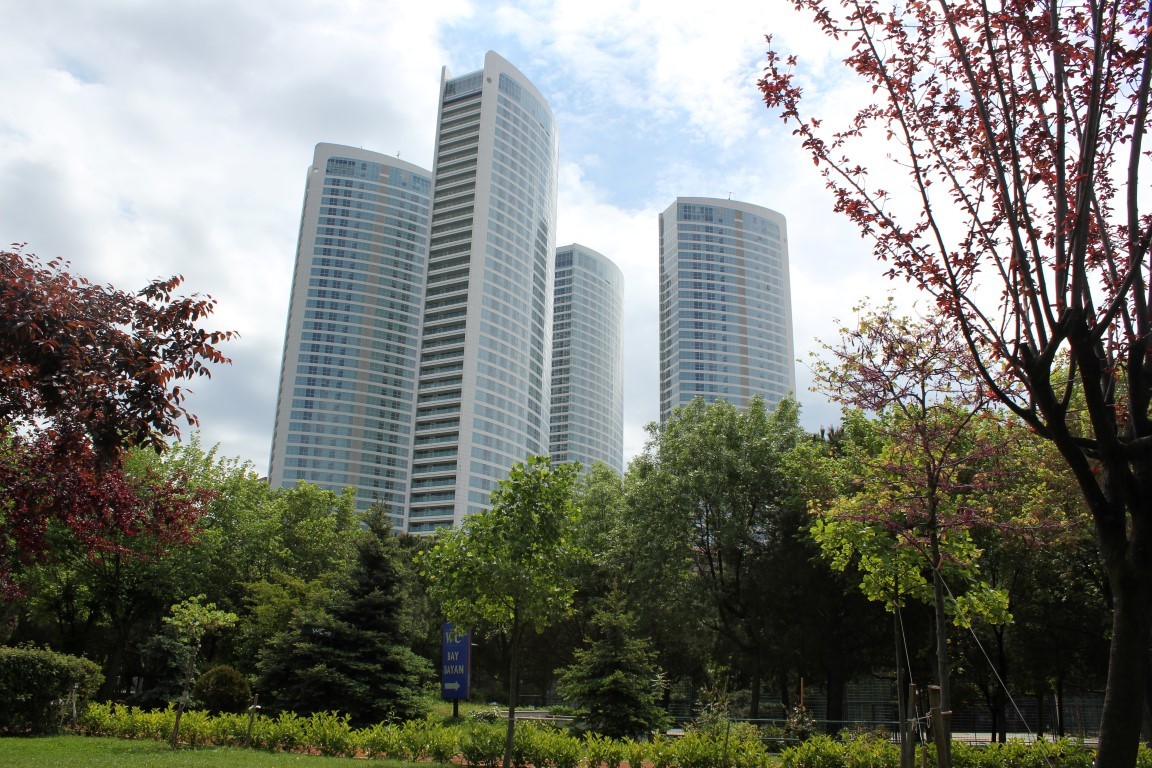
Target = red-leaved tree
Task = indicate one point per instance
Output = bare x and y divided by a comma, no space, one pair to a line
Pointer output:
926,485
86,372
1017,130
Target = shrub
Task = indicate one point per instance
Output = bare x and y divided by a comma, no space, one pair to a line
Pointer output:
1064,753
484,715
150,724
287,732
556,749
443,744
662,752
330,734
96,720
1071,753
746,747
820,751
1144,757
720,742
417,740
223,689
968,756
229,729
265,733
37,686
697,749
380,741
634,752
526,742
602,751
123,722
195,728
868,750
799,723
482,745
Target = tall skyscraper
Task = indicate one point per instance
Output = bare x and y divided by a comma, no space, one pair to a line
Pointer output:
725,307
344,416
587,360
486,351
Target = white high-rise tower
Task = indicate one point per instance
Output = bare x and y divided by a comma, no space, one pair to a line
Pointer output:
587,360
486,352
725,307
344,416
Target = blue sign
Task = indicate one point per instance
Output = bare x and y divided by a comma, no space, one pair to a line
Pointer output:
455,662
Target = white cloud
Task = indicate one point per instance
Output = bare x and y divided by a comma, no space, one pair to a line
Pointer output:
143,139
140,140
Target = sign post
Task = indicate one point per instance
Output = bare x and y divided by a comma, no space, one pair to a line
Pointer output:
455,665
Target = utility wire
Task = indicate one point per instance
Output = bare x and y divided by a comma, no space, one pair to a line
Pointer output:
991,666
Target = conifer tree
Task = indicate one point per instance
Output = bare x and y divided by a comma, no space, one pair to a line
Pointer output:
355,655
614,681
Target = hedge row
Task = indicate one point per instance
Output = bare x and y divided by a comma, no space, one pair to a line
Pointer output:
481,744
869,751
38,688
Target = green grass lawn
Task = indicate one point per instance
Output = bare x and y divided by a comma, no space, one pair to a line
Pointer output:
85,752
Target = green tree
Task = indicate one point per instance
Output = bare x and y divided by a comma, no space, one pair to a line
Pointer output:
1040,551
353,655
614,681
259,552
657,572
1017,133
731,501
190,621
313,530
505,568
239,538
729,521
103,601
832,631
924,478
270,606
223,689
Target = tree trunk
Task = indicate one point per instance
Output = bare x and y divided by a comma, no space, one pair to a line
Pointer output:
1059,695
513,691
1146,724
997,717
834,706
944,743
1127,665
183,704
1000,697
754,705
904,696
112,668
908,733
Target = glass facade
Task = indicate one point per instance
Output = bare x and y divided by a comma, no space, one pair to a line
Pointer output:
725,306
587,421
486,349
348,378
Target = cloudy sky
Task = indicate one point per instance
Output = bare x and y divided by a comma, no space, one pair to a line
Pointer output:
145,138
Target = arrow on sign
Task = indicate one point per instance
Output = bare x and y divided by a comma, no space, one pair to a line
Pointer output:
451,686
